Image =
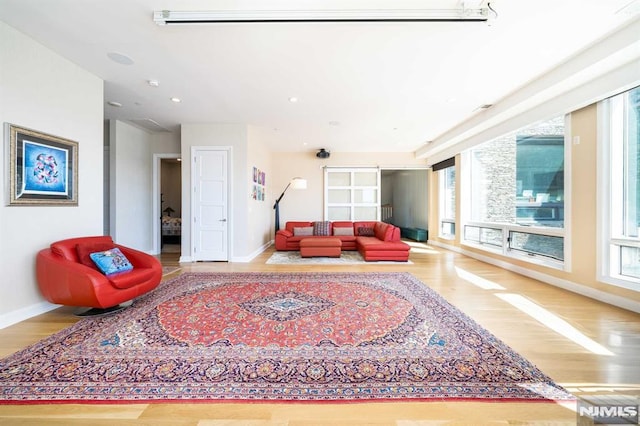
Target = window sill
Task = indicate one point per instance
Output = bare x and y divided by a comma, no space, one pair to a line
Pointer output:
627,283
510,254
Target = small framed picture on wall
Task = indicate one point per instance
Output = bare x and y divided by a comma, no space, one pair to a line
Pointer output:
258,191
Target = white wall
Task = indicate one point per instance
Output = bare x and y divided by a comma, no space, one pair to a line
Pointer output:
43,91
259,212
222,135
165,143
131,197
130,182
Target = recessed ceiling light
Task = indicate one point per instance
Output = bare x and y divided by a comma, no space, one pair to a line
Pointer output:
176,100
153,83
293,99
483,106
120,58
115,104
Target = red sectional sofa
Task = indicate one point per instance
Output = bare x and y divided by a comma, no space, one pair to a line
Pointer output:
373,240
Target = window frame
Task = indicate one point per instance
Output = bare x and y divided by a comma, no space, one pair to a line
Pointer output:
352,187
610,195
508,228
443,218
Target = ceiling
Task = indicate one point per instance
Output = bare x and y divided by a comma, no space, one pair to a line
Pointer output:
359,86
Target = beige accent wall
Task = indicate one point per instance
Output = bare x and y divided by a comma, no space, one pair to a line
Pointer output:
307,204
130,183
259,212
582,229
583,195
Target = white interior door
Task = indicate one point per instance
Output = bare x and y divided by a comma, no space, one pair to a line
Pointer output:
210,218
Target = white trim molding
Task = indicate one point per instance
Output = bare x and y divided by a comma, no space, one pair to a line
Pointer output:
251,256
607,67
19,315
155,210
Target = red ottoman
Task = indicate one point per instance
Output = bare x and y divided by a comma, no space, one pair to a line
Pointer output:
320,247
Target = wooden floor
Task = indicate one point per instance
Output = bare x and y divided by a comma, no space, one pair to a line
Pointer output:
588,347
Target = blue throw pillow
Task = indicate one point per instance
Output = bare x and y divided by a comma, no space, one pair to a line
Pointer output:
111,261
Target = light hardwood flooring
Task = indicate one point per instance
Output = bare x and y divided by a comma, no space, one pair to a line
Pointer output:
588,347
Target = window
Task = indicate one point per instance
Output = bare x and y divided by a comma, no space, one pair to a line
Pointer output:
447,179
516,193
352,194
484,235
620,142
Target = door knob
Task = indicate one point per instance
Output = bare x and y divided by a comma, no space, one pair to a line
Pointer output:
222,220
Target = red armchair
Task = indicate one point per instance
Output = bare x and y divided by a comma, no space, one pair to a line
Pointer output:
66,276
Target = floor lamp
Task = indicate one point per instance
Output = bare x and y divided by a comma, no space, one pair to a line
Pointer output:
295,183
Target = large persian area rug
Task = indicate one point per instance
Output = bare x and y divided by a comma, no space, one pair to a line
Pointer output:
166,270
276,337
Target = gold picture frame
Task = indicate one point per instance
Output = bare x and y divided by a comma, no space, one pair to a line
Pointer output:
43,169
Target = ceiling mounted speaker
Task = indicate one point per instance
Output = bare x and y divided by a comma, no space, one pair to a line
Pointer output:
323,153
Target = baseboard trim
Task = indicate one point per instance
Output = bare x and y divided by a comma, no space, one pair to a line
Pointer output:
250,257
237,259
19,315
571,286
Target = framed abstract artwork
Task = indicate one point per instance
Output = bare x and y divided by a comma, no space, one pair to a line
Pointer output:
43,169
259,189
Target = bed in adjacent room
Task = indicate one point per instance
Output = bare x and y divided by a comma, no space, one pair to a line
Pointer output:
171,230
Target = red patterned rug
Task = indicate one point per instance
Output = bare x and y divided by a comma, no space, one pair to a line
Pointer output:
276,337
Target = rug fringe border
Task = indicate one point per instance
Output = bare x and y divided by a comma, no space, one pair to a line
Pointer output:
283,401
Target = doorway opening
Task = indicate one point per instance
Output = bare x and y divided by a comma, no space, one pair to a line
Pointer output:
404,198
167,211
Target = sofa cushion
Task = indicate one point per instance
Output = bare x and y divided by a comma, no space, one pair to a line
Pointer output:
375,245
285,233
303,231
342,224
297,224
111,261
342,230
383,231
131,278
365,231
321,228
84,251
